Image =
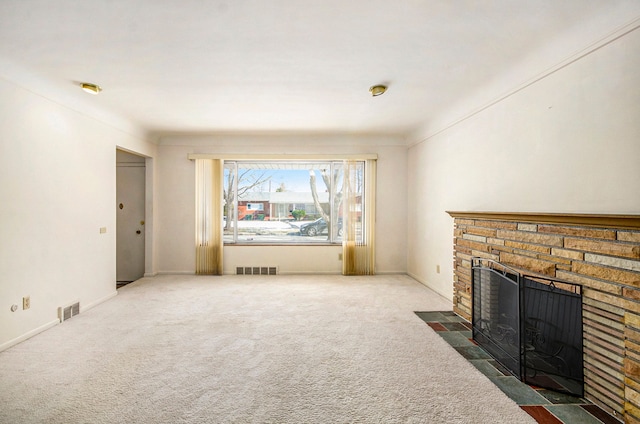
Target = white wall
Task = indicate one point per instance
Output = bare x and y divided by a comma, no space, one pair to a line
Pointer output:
568,143
57,168
176,202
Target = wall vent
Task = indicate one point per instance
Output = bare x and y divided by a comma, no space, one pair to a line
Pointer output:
257,270
66,312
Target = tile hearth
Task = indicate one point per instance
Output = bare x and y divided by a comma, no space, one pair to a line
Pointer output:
545,406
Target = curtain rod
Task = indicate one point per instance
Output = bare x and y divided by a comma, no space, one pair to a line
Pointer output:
292,157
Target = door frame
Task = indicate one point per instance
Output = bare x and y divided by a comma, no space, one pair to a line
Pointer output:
149,265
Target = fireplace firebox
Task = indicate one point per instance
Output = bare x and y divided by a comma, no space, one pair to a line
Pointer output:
531,325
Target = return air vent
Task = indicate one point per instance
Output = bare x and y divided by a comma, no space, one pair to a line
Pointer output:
66,312
257,270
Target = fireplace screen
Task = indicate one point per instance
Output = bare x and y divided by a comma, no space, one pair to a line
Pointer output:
531,325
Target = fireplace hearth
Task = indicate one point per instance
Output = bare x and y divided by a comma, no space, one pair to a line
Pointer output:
532,326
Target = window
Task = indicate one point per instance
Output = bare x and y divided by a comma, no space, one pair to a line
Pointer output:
284,202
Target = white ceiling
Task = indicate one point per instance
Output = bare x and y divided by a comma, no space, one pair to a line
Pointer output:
291,66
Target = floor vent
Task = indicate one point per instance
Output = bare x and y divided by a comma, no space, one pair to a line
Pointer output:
257,270
64,313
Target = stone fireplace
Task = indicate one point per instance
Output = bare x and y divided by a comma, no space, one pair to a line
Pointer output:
601,253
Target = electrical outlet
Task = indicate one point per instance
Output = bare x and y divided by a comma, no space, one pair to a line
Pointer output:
438,269
26,302
339,256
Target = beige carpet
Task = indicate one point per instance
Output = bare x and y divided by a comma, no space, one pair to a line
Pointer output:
251,349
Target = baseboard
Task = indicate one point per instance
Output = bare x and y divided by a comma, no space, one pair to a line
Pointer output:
309,273
86,307
417,278
29,334
293,273
327,273
283,273
150,274
424,283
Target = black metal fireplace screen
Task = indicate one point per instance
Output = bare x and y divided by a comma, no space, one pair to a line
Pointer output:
531,325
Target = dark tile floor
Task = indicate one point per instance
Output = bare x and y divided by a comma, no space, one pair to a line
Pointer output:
546,406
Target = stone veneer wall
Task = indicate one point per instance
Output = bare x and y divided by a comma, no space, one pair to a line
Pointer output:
599,252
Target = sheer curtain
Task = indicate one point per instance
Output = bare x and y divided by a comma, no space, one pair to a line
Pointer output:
359,215
209,244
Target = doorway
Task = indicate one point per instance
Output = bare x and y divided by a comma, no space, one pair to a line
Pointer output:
130,217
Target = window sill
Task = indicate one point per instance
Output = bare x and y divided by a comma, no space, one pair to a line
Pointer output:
264,244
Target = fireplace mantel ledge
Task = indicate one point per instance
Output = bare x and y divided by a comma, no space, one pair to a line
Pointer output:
584,220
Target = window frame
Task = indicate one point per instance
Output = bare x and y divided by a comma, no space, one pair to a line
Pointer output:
365,157
334,238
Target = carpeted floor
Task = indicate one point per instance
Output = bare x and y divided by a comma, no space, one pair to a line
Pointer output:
251,349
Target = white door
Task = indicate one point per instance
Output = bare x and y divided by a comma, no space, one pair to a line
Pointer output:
130,200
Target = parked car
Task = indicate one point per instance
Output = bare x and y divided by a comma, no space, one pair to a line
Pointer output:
318,226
